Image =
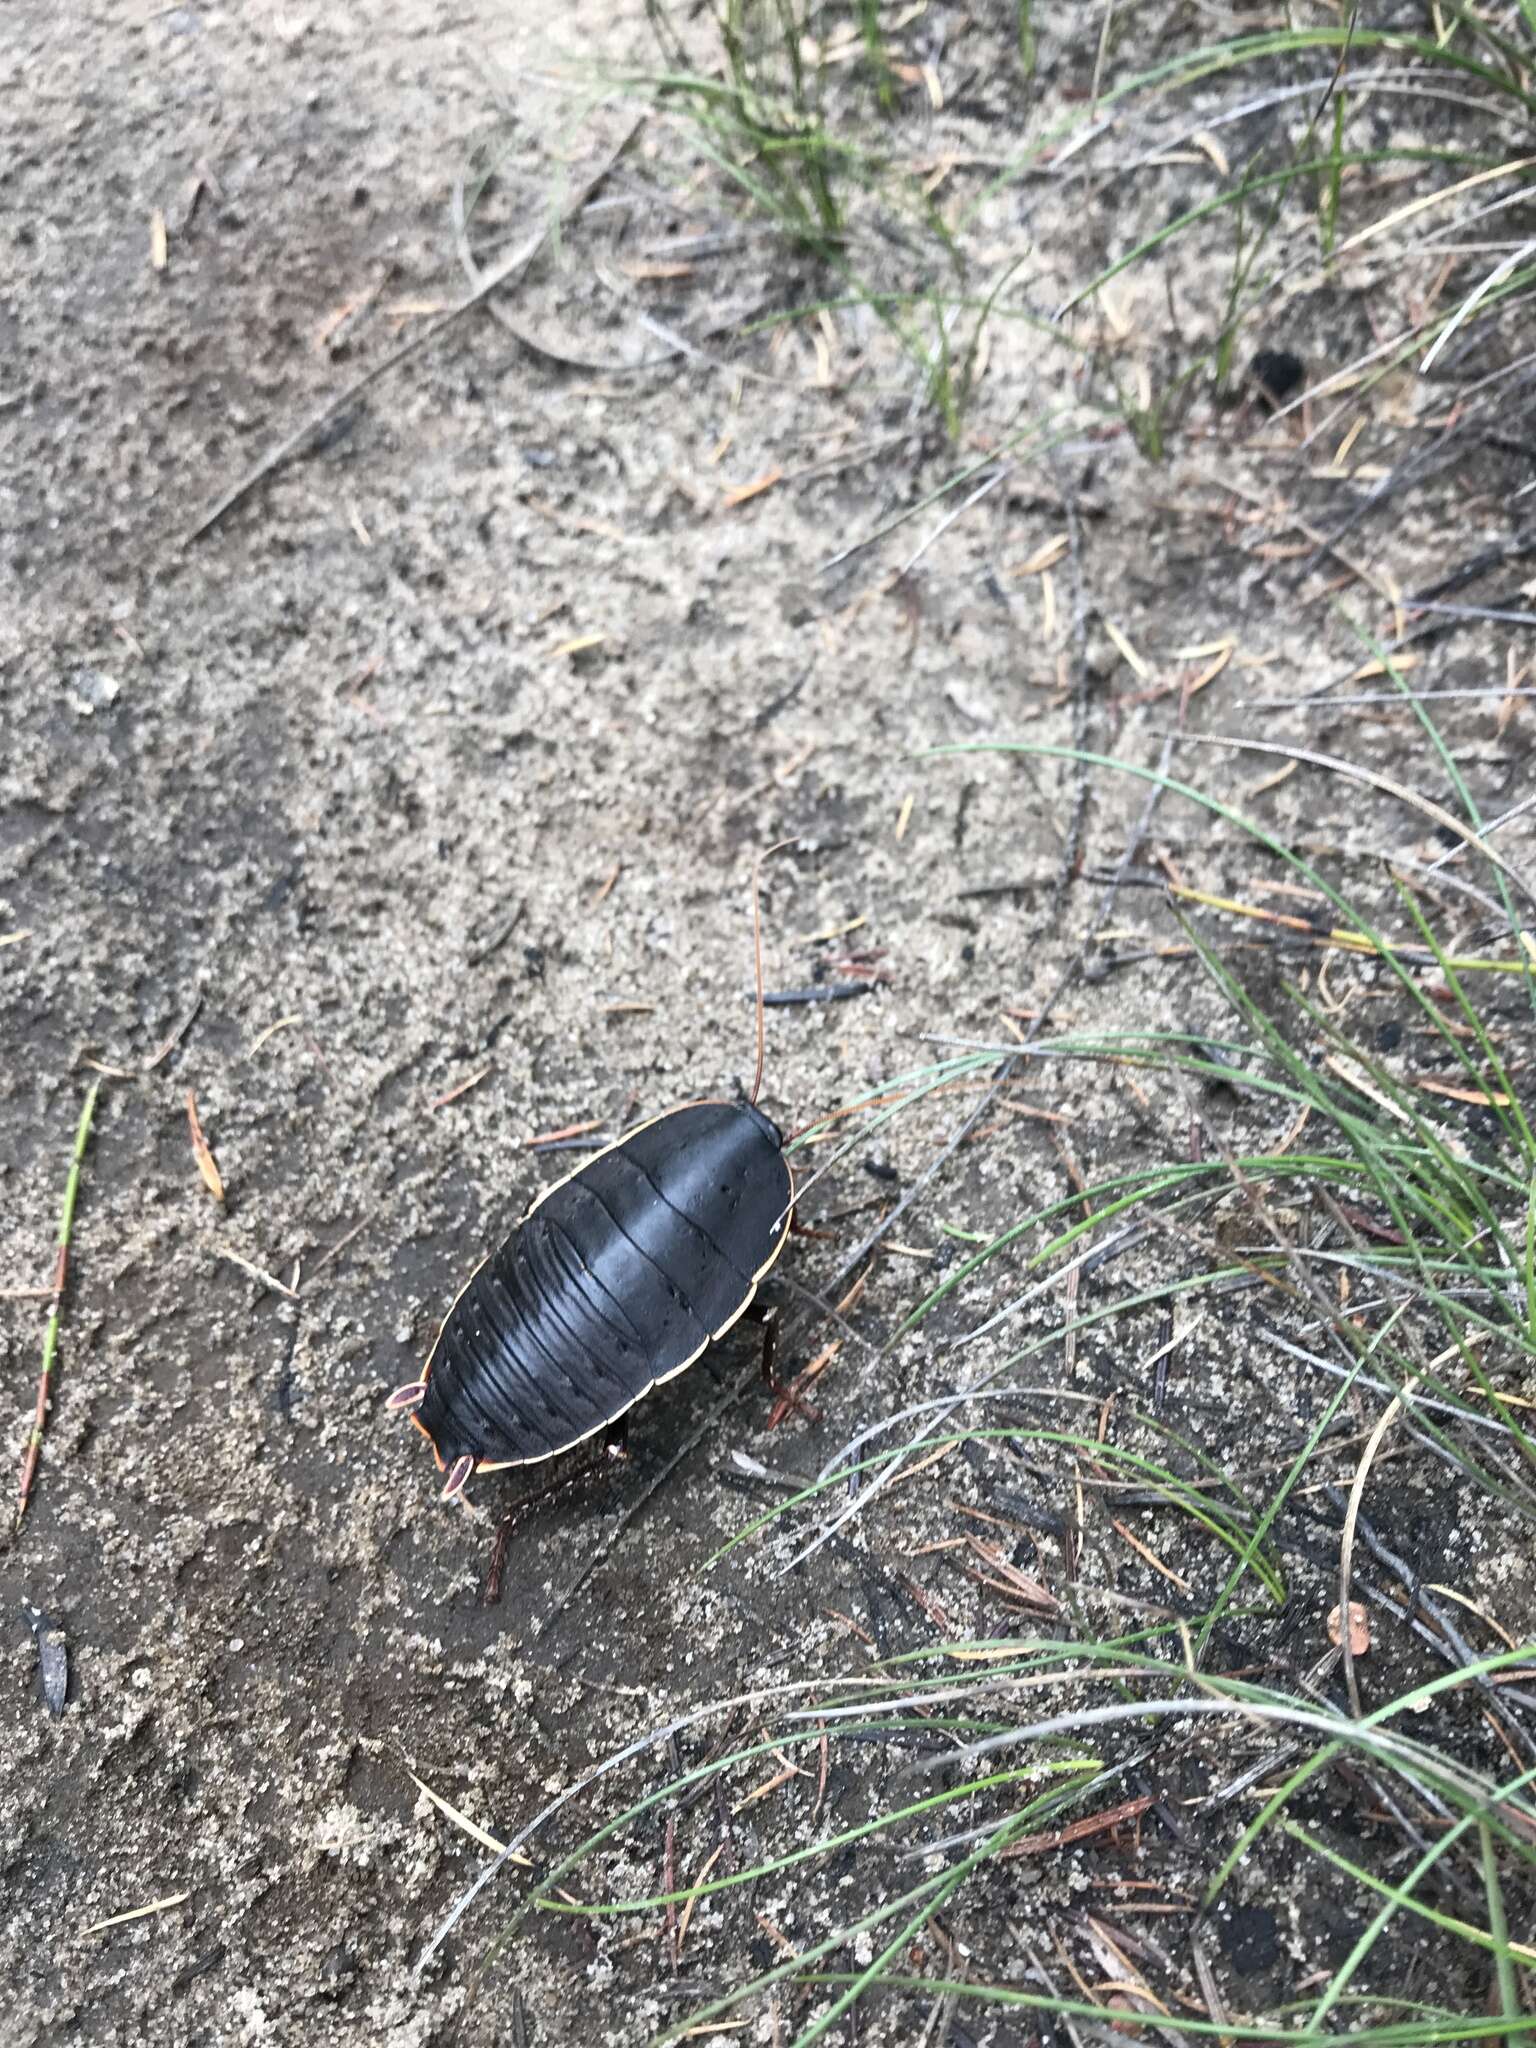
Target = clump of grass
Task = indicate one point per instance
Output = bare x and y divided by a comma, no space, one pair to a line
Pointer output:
799,111
980,1782
1462,1218
1325,196
809,122
761,117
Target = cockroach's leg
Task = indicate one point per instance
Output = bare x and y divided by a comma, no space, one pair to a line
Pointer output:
770,1346
785,1397
498,1562
614,1439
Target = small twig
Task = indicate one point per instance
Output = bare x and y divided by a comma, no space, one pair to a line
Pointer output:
544,1140
169,1044
1079,1830
1207,1976
259,1274
821,992
51,1332
1072,845
332,1251
505,272
463,1087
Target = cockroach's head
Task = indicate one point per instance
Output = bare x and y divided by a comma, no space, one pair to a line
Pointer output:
766,1125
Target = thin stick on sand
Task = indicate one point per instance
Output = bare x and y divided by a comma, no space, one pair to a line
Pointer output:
51,1331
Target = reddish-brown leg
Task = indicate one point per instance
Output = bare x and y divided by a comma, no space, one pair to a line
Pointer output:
614,1445
785,1398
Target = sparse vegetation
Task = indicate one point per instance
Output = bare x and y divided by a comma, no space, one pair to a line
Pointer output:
794,107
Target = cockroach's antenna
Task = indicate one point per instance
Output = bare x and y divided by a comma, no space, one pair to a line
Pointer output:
757,950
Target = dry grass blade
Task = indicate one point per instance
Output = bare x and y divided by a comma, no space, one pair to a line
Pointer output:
462,1820
1347,1541
164,1905
207,1165
1388,785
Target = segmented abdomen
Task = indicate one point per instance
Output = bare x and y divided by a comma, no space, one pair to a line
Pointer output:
618,1277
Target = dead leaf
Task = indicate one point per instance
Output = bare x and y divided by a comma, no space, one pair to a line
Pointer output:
1480,1098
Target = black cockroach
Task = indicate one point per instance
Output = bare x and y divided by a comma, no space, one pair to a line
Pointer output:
620,1276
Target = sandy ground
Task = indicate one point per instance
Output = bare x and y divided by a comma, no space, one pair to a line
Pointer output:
414,807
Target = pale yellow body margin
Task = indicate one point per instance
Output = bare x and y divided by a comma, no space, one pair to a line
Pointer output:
506,1464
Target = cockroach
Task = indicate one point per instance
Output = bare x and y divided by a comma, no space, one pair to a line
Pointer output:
620,1276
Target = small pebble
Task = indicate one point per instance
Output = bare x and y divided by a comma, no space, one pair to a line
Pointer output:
1278,374
52,1659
